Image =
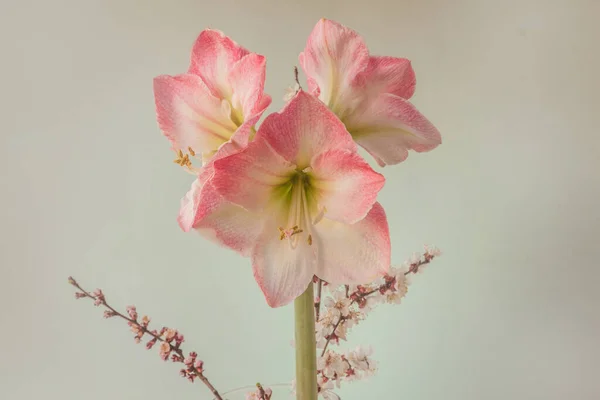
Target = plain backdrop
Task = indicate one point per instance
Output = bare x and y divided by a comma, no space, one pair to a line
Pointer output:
89,189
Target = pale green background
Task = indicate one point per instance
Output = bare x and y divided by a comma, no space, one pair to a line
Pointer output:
89,189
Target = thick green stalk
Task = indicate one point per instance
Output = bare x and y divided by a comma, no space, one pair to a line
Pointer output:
306,347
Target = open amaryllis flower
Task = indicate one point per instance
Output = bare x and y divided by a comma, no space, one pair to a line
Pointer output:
368,93
299,200
218,100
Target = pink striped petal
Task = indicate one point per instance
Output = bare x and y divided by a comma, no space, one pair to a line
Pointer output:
391,75
346,185
247,80
251,177
334,57
281,272
213,57
353,254
189,115
389,127
304,129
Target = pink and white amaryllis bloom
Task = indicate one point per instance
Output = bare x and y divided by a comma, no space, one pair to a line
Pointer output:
299,200
368,93
217,101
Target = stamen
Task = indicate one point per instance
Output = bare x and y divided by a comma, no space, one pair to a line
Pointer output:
288,233
310,240
191,151
320,216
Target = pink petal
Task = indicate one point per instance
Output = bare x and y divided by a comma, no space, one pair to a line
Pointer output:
228,224
333,58
389,127
353,254
281,272
247,80
391,75
251,177
206,211
213,57
303,129
346,185
189,115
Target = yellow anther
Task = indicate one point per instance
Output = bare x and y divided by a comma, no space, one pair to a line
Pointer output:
288,233
192,152
310,240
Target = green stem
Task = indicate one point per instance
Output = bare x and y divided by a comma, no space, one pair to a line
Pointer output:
306,347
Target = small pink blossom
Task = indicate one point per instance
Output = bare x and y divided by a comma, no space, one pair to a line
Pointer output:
132,312
170,334
164,350
198,364
99,297
151,343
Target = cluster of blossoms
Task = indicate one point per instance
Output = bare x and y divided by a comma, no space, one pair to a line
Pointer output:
293,194
170,339
334,368
345,307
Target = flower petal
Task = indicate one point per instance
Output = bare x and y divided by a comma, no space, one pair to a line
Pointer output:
391,75
345,184
304,129
213,57
353,254
389,127
252,177
333,58
281,272
189,115
206,211
198,200
247,80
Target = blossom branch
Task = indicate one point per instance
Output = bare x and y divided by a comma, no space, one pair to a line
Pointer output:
170,340
393,287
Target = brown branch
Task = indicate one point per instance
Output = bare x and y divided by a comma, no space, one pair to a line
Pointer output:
296,77
360,297
318,301
176,349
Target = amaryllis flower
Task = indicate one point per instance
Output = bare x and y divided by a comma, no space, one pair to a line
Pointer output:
298,200
368,93
217,101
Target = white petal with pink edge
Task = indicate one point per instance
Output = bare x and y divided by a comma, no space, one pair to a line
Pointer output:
353,254
346,185
213,57
282,272
189,115
389,127
303,129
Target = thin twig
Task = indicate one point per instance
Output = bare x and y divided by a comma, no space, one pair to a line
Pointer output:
176,349
318,301
296,77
